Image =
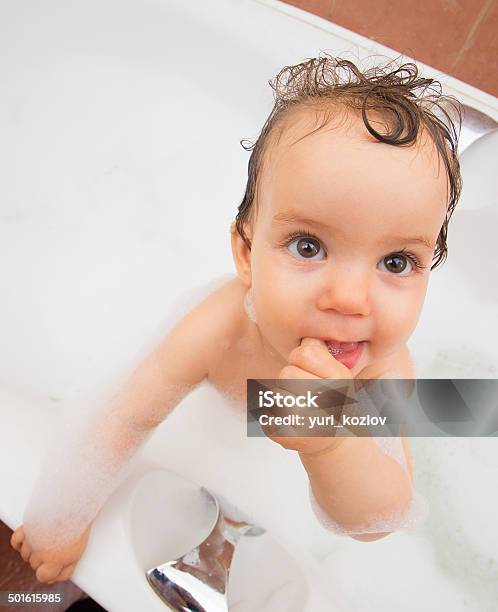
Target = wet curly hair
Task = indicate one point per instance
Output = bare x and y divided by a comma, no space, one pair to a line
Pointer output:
406,100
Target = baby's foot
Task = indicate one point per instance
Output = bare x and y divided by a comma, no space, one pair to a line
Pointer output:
51,565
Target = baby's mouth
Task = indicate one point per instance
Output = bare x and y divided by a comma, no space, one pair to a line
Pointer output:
339,348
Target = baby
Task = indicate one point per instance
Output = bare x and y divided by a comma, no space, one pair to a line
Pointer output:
351,186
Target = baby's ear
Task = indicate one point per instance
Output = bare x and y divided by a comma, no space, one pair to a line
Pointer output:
241,256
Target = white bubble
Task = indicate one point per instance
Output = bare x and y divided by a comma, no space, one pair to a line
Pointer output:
249,306
393,447
97,437
85,462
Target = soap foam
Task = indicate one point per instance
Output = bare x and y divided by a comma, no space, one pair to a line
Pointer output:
249,306
393,447
97,436
88,457
78,473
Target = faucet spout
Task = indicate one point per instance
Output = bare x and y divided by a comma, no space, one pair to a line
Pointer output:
198,580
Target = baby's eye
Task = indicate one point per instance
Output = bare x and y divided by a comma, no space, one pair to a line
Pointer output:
397,264
306,247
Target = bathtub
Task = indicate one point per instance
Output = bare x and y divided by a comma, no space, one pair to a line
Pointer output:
120,126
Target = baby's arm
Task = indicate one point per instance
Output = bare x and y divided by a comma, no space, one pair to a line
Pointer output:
83,469
359,486
374,475
360,490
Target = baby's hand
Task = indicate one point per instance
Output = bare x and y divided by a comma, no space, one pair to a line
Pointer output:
311,360
51,565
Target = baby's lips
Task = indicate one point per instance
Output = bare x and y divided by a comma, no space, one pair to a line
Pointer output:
333,346
336,348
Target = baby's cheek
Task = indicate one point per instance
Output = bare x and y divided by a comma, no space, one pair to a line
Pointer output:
280,313
285,299
397,321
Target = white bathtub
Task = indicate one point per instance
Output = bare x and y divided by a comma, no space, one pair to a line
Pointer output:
121,171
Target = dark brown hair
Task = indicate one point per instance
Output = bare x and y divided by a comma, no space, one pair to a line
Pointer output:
407,101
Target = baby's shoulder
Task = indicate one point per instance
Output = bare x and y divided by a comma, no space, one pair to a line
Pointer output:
234,351
225,306
195,343
223,317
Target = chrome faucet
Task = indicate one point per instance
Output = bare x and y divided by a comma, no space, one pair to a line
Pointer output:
198,580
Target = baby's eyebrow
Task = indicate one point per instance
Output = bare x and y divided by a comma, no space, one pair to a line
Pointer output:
288,218
415,239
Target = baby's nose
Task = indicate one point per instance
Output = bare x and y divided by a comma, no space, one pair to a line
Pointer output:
346,293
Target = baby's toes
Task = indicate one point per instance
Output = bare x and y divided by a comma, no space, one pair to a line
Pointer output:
17,538
48,572
66,573
35,561
26,551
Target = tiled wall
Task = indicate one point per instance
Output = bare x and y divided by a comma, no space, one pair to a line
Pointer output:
458,37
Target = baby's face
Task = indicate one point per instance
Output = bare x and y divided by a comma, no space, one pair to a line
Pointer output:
337,242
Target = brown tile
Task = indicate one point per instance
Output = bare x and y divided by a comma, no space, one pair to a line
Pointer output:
478,60
317,7
432,31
